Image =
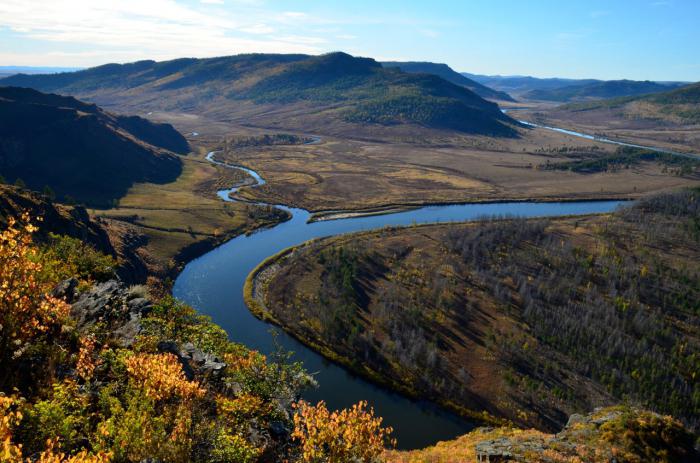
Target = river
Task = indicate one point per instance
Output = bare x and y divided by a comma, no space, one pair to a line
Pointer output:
213,284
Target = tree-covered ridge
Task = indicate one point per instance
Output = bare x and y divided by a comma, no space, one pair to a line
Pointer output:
625,157
600,90
333,86
678,105
450,75
527,319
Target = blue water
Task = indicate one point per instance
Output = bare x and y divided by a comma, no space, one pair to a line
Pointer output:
213,284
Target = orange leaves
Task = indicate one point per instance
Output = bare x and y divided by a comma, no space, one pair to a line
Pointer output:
161,377
10,416
26,308
353,434
51,456
86,364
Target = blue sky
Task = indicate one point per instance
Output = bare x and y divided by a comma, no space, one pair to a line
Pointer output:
635,39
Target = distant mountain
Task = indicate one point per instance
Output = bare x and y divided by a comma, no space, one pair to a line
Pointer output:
80,151
329,93
681,105
559,89
598,90
521,84
450,75
35,69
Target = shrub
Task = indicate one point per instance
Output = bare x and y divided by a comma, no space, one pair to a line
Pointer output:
353,434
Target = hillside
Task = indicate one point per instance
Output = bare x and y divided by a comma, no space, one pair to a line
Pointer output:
598,90
333,93
114,239
529,320
450,75
606,435
681,105
95,371
79,151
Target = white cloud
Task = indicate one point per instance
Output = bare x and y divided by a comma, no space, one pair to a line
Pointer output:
138,29
258,29
215,2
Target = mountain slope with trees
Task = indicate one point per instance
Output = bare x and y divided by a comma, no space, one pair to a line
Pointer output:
79,152
450,75
332,92
530,320
599,90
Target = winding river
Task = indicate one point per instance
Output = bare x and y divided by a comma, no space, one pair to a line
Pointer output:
214,282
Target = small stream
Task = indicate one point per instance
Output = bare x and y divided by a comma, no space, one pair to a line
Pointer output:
213,284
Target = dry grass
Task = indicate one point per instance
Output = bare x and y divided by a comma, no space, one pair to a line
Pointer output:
342,174
183,213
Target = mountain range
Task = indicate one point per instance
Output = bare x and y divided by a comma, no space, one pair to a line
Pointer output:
333,93
598,90
559,89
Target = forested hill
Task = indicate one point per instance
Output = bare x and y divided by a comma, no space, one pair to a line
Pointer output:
680,105
450,75
76,150
599,90
327,91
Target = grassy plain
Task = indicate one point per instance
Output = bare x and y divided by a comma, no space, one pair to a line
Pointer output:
186,214
637,122
348,174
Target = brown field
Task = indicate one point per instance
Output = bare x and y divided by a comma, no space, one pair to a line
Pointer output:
638,123
343,174
186,213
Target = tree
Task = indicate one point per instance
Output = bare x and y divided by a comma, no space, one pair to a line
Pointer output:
49,193
19,183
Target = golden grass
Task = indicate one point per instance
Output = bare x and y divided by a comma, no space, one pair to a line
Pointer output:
186,211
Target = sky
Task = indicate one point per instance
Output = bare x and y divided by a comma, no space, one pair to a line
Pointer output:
612,39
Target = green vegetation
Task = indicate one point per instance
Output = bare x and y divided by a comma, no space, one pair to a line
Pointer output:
266,140
621,434
599,90
336,83
536,318
678,105
431,111
450,75
625,157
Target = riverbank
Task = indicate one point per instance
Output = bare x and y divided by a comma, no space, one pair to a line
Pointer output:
256,293
296,289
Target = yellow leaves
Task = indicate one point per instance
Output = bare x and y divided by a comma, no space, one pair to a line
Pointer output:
10,416
26,308
243,407
346,435
86,364
643,271
51,456
161,377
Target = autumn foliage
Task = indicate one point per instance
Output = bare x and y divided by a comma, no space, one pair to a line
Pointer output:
27,310
353,434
